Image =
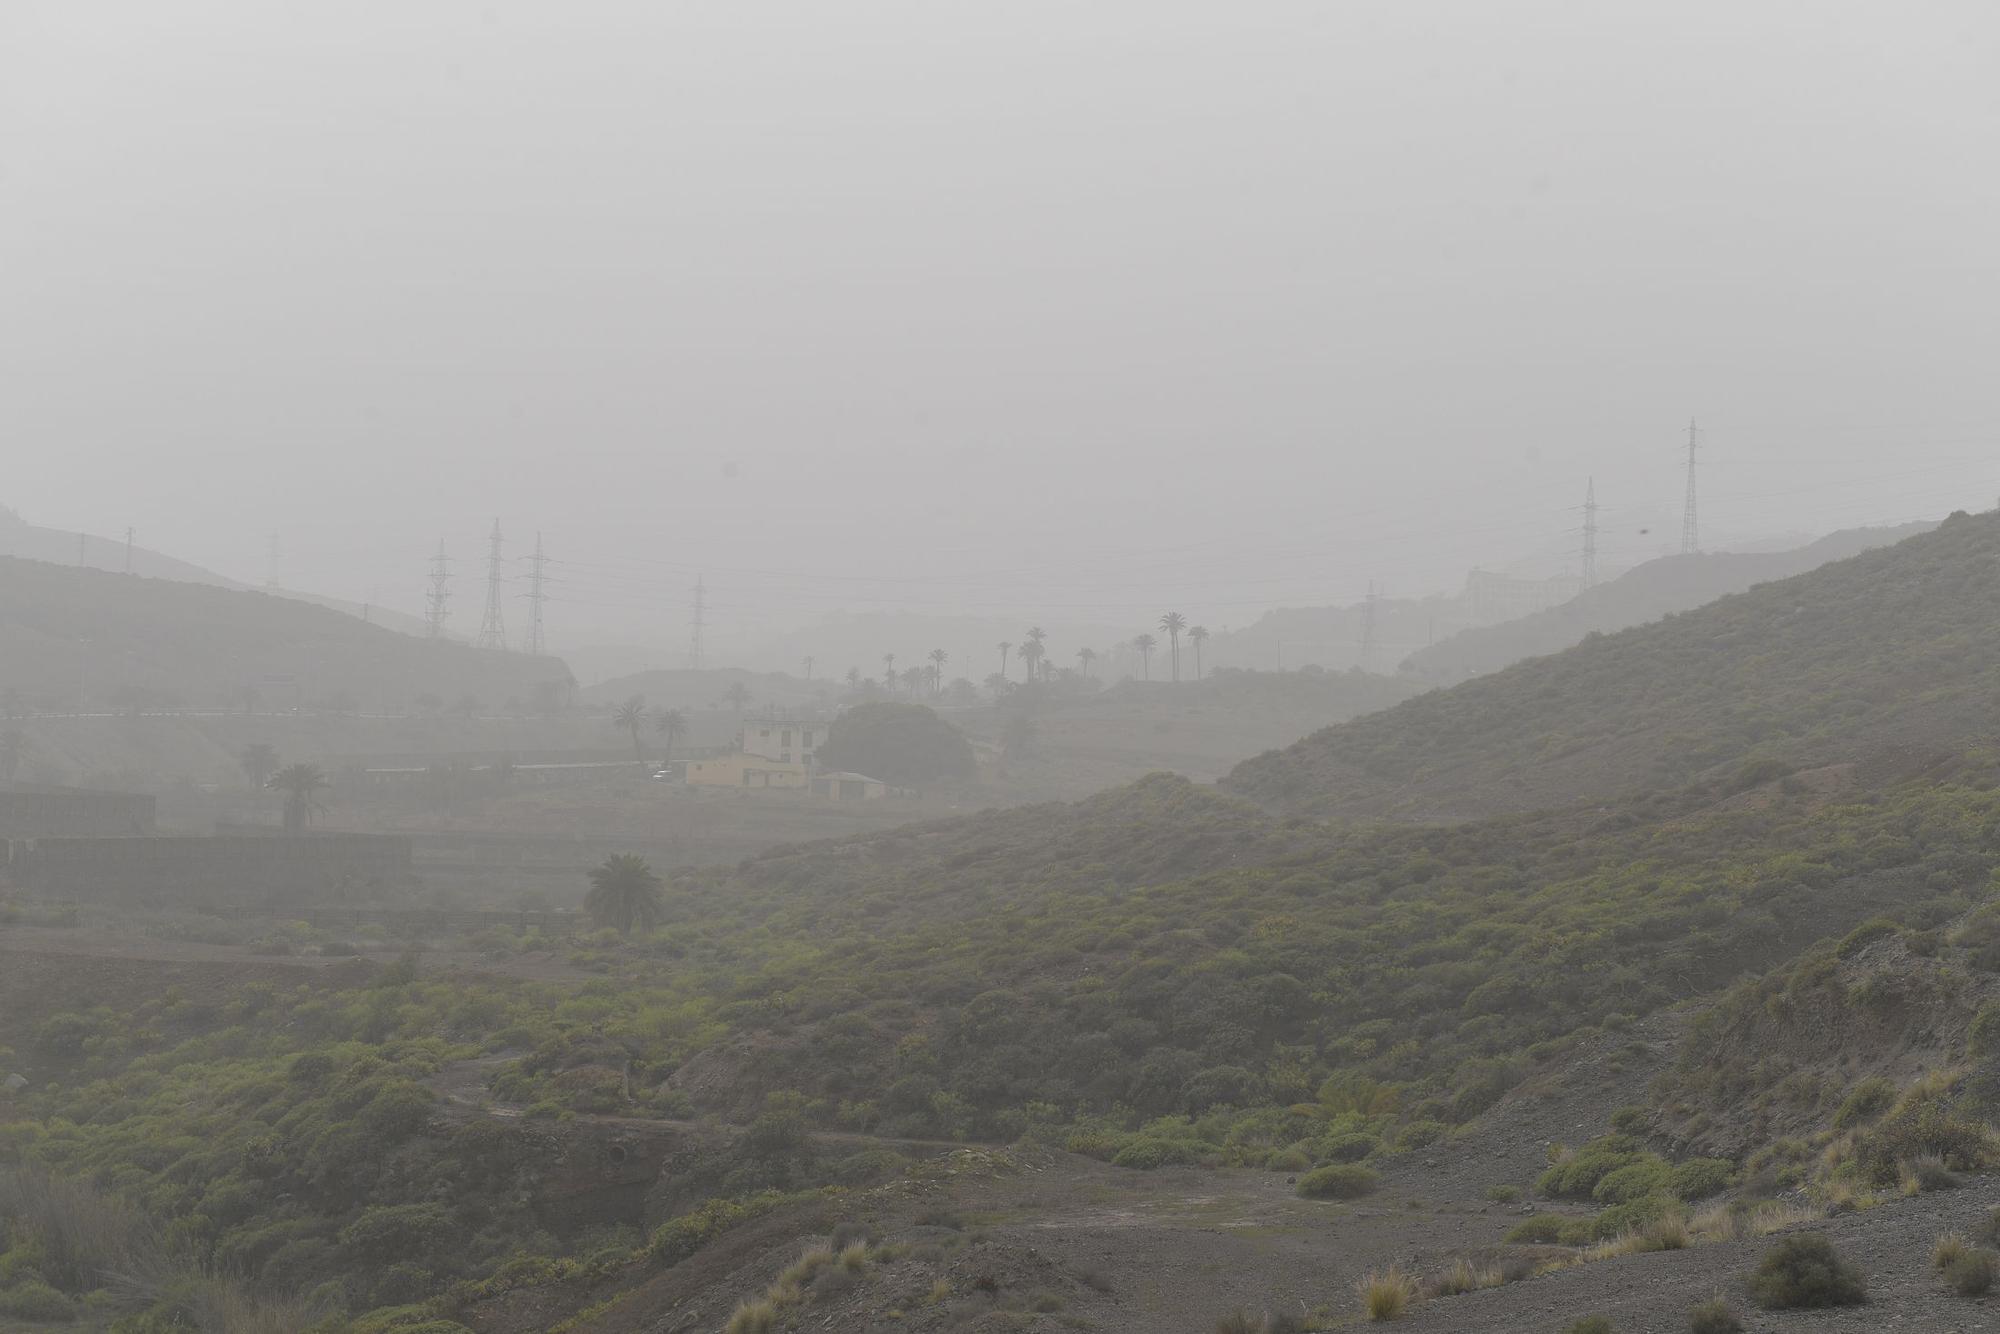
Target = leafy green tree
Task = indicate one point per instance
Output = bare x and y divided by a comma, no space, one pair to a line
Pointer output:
906,745
631,716
1173,623
737,696
259,762
301,784
624,893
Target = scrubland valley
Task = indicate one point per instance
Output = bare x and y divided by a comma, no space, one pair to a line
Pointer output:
1677,957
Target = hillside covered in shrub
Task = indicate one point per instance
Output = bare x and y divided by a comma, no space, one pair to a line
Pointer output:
1660,587
1898,647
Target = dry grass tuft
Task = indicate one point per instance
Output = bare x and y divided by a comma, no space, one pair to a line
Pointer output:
1948,1247
1386,1294
1464,1276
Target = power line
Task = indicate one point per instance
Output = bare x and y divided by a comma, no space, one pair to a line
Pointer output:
437,600
1590,533
535,597
700,622
493,626
1690,529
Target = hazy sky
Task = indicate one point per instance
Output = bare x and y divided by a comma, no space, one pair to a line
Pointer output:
1073,310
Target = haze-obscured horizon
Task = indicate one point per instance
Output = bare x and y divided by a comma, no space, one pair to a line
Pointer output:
1035,311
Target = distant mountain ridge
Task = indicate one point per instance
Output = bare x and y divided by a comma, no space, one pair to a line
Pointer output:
72,637
29,541
1896,648
1644,593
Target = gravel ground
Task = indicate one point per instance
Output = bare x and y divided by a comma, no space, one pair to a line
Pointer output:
1651,1294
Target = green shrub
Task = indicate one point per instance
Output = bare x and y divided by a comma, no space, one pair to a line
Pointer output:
1982,1036
1503,1193
36,1300
1631,1120
1971,1272
1348,1148
1925,1129
1541,1230
678,1238
1287,1160
1699,1178
1590,1324
1578,1177
1421,1134
1147,1153
1870,931
1868,1100
1636,1180
1337,1181
1714,1316
1804,1271
387,1232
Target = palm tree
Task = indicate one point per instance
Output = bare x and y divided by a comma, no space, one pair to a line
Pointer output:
1197,636
737,696
854,678
889,671
631,715
1145,644
1084,657
673,725
259,763
624,893
1173,623
809,667
938,658
1005,644
912,678
300,783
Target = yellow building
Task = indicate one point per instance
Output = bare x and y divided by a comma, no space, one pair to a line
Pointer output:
849,787
751,771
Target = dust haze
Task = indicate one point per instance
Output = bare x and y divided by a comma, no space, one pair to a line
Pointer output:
885,666
1031,310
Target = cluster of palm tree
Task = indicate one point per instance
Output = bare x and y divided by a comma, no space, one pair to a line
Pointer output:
1176,627
301,784
670,724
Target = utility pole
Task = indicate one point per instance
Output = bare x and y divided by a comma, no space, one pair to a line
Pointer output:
536,597
700,621
435,608
1690,529
128,549
493,626
1590,534
1368,628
